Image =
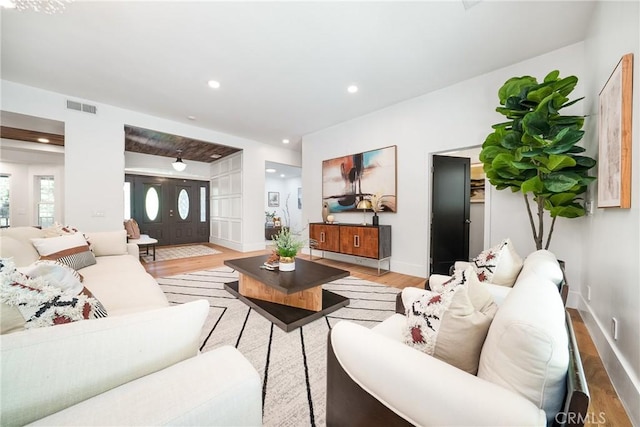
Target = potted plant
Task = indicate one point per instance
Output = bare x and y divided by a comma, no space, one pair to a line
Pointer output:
535,150
287,247
269,217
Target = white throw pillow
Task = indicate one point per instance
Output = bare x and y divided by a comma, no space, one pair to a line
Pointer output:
106,243
71,250
56,274
499,265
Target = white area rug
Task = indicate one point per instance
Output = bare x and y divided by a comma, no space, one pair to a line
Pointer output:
175,252
292,365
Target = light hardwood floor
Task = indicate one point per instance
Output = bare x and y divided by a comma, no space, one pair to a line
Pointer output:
605,408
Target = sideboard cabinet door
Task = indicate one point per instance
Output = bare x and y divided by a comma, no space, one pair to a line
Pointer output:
359,241
327,237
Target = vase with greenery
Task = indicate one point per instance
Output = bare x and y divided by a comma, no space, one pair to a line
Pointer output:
535,151
287,246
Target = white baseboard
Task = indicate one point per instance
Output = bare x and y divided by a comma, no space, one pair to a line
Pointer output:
624,381
236,246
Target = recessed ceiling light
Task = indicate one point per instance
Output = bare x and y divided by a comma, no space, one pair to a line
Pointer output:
281,175
270,170
191,117
285,141
213,84
352,89
45,140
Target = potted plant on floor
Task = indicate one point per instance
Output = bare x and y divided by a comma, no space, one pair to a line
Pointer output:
535,151
287,247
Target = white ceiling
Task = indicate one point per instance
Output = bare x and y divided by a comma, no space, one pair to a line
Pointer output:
287,170
284,66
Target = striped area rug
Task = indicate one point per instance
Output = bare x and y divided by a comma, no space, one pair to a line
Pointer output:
175,252
292,365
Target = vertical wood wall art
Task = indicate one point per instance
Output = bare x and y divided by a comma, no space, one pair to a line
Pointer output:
614,137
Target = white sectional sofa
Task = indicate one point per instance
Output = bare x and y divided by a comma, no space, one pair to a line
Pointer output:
529,372
140,365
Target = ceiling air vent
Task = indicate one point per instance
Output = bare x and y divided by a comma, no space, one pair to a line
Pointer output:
74,105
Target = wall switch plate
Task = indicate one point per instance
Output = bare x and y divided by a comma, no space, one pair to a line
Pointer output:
614,328
588,293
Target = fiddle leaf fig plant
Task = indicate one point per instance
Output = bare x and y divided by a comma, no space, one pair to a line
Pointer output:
535,151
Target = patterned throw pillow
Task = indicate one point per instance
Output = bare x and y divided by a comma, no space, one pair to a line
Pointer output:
71,250
58,229
452,325
499,265
42,304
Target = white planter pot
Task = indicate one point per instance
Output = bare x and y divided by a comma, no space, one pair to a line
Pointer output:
287,266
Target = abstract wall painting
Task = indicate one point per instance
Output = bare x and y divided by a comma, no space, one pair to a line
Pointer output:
614,135
349,179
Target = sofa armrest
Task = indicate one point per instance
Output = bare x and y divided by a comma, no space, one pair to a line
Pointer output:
219,387
417,388
91,357
133,250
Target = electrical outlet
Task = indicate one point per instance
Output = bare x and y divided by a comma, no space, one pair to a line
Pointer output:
588,293
614,328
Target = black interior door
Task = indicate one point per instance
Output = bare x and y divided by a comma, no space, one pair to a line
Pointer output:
449,212
174,211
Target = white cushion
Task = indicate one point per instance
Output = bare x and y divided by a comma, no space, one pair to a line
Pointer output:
542,263
216,388
23,253
526,349
108,243
91,357
122,285
392,327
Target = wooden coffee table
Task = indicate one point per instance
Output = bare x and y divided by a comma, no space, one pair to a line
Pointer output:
289,299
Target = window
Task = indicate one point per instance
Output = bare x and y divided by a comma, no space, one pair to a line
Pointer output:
203,204
46,204
4,201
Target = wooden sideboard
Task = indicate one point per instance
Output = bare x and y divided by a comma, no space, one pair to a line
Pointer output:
366,241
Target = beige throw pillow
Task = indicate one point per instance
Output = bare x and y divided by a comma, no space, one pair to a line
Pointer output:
452,325
133,230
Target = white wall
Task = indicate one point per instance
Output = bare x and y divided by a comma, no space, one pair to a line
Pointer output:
285,186
456,117
95,160
612,236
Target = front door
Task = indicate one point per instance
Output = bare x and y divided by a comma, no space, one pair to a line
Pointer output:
174,211
449,212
